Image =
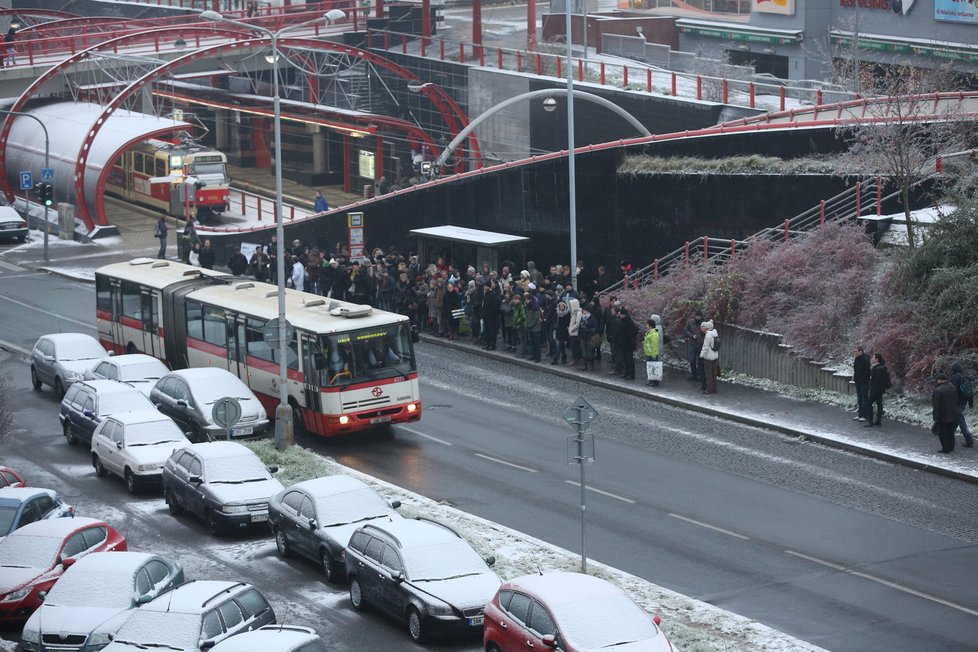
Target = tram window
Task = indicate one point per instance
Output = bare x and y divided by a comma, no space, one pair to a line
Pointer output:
130,300
215,330
160,168
195,327
137,162
103,293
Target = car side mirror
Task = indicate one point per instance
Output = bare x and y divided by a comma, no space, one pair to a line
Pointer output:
273,469
312,524
68,563
398,576
205,645
490,561
48,358
89,414
656,619
118,445
143,599
395,504
195,479
181,403
42,595
549,640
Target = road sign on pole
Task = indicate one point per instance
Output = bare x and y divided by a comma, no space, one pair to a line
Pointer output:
26,180
226,412
580,415
47,174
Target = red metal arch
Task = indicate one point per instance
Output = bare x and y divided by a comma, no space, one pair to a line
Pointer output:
68,23
36,13
438,97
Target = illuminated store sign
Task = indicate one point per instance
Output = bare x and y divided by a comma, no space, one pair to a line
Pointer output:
783,7
958,11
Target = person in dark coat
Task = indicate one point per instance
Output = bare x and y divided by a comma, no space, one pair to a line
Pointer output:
562,321
207,255
945,403
693,335
957,375
491,305
237,262
259,264
452,302
879,382
626,336
860,376
611,333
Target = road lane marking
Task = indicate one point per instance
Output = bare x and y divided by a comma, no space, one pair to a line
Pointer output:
710,527
603,493
499,461
11,266
46,312
421,434
13,347
887,583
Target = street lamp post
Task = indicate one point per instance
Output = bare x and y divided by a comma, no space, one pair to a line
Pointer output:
284,435
571,180
47,164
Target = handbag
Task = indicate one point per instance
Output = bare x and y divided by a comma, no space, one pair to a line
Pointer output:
654,369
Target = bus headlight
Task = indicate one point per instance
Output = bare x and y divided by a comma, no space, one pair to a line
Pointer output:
412,407
344,420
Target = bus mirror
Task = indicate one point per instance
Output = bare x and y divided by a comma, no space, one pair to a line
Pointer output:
319,360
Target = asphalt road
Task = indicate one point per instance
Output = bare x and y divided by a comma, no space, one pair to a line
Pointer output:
839,550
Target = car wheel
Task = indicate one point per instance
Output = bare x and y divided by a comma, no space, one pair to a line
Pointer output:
415,627
282,543
35,381
99,469
492,647
212,525
59,388
70,436
328,565
356,595
172,503
131,482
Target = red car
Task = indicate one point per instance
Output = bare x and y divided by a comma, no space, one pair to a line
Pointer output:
33,557
570,612
10,478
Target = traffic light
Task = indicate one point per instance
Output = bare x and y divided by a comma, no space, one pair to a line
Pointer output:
45,192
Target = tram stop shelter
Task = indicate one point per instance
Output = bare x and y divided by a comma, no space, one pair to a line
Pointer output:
464,246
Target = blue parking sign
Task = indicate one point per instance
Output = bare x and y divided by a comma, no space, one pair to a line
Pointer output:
26,180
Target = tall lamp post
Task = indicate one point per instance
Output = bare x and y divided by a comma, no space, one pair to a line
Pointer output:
284,434
571,180
47,164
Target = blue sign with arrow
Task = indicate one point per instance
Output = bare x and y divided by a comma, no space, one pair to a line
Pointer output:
47,174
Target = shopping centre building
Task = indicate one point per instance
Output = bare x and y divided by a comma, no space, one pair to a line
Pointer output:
796,39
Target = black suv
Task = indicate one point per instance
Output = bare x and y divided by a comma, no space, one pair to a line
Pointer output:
423,574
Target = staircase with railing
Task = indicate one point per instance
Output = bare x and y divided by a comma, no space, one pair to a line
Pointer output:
851,204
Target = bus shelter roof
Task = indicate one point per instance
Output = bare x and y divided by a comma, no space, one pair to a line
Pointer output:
470,236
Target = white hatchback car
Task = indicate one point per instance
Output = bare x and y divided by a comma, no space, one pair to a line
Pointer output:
134,446
12,225
138,369
274,638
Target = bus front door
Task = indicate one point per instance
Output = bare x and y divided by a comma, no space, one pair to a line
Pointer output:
312,363
118,337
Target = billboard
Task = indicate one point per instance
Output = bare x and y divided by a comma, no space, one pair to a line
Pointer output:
783,7
959,11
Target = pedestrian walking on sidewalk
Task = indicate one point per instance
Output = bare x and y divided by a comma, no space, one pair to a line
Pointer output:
879,382
945,403
860,376
964,386
160,232
627,334
710,357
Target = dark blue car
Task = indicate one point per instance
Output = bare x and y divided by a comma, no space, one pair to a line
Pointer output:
87,402
22,505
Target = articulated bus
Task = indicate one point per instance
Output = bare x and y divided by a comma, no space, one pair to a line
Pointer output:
138,176
350,367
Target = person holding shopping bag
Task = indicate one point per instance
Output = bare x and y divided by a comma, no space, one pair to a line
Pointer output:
650,346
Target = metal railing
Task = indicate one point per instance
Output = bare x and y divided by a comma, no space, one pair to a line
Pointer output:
848,205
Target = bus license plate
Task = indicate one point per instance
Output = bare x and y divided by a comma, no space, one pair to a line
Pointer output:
476,621
380,419
238,432
259,518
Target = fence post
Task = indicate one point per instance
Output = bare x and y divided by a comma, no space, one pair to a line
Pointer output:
733,248
441,49
699,87
540,64
292,212
499,58
687,251
243,206
559,75
482,57
461,52
655,269
706,249
424,46
821,212
580,70
859,199
782,98
387,40
818,97
674,84
648,80
404,43
602,72
751,90
786,230
258,197
726,92
624,76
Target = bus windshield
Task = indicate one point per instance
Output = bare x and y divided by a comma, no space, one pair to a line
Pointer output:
366,355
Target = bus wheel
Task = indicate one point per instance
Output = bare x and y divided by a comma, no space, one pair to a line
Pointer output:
297,427
131,348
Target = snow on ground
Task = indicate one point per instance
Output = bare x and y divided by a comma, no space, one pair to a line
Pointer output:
692,625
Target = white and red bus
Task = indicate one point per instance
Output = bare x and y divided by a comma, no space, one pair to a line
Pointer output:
146,174
350,367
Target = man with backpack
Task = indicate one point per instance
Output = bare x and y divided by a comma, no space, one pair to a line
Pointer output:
966,398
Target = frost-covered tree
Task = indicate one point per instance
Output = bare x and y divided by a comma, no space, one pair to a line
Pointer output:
6,416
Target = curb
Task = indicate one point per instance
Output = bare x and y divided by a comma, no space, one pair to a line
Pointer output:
710,411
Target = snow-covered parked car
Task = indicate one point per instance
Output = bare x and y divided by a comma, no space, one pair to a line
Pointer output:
95,597
274,638
138,369
61,359
188,395
12,225
134,446
20,506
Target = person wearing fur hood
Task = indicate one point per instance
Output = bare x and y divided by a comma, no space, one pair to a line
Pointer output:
710,357
573,330
561,334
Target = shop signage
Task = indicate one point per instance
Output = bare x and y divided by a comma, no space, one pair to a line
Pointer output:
747,37
956,11
783,7
935,51
869,4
